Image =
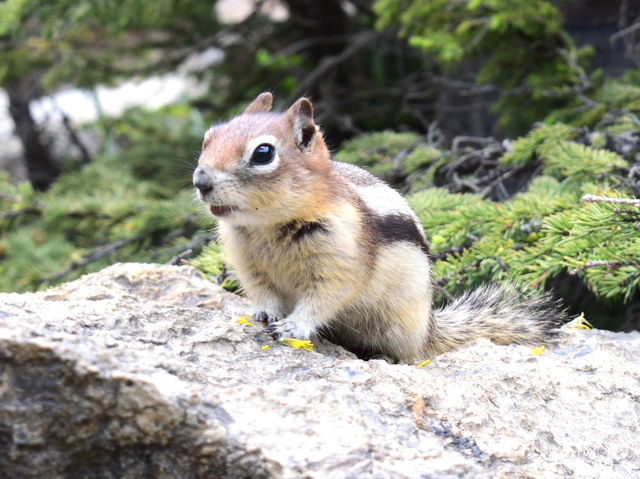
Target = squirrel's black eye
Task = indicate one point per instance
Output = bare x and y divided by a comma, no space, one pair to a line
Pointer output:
263,154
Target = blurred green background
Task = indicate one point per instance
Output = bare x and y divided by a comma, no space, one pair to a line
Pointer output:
494,117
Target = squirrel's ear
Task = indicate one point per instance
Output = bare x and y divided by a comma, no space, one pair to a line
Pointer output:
304,129
261,104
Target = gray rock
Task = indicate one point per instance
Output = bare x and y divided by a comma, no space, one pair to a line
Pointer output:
143,371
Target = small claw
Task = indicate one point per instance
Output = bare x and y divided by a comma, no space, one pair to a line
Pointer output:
272,328
265,317
261,316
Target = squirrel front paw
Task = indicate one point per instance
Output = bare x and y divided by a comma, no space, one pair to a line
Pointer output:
263,316
287,328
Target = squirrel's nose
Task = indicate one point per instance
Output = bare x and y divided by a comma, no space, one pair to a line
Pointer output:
202,181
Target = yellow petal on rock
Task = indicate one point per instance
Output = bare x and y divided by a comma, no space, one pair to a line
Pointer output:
538,351
423,363
299,343
244,320
580,322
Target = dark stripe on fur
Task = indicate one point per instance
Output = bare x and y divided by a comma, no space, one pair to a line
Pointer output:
297,230
398,227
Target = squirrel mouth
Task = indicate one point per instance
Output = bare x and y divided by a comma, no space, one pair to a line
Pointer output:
219,210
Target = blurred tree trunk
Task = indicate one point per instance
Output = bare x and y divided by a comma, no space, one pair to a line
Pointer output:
319,20
41,166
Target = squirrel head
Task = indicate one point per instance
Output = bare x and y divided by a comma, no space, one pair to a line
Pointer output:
263,166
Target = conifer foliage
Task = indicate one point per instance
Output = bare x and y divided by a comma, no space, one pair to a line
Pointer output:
526,53
555,207
128,204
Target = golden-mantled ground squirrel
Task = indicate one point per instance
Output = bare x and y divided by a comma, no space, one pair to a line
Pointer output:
323,247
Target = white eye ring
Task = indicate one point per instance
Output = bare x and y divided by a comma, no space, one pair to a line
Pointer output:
251,148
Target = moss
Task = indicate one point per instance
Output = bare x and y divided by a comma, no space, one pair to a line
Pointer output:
376,152
421,157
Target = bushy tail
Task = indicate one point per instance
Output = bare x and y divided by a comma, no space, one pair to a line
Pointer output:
499,313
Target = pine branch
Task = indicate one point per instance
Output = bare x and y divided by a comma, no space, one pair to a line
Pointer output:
15,213
626,212
97,255
171,58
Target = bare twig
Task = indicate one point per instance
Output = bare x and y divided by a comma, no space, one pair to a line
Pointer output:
484,29
97,255
442,290
75,139
624,32
111,248
464,88
398,158
174,57
180,256
434,135
357,42
604,199
475,140
498,183
189,248
584,79
608,263
305,43
500,262
168,60
628,33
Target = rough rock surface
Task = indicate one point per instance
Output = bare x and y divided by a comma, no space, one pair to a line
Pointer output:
143,371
